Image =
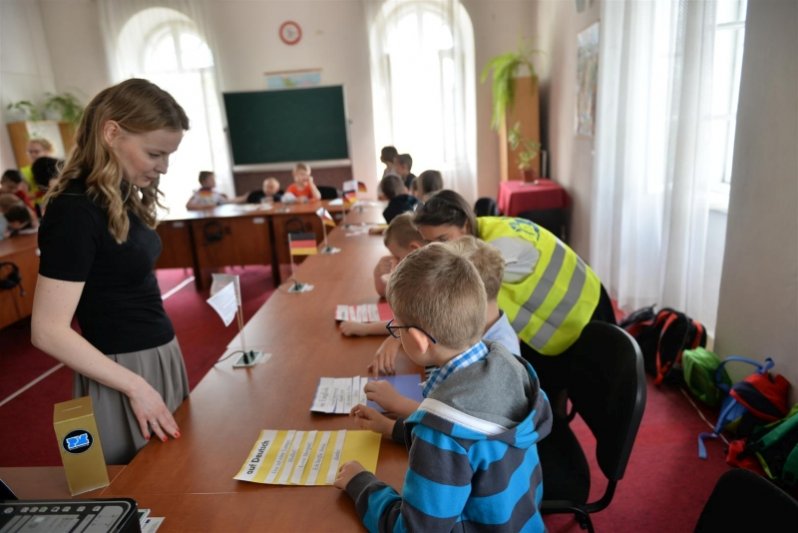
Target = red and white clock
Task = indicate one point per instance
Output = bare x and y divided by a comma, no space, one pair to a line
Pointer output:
290,32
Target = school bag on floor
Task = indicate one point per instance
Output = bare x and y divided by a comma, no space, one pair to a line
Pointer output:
776,448
663,335
699,367
756,400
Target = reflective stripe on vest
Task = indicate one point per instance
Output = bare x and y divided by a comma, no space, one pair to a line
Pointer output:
550,306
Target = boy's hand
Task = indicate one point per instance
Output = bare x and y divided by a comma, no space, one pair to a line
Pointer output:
346,473
386,396
385,357
371,419
350,328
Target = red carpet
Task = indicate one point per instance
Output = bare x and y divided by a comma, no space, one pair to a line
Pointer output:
665,487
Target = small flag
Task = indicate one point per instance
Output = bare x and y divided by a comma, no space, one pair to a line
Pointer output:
302,243
350,191
219,281
224,303
325,217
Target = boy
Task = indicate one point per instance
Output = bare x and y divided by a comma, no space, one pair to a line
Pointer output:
490,265
206,196
387,155
401,237
482,471
11,183
393,189
303,186
269,191
402,164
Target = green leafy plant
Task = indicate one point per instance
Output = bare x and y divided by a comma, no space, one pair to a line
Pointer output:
27,109
66,104
505,68
526,150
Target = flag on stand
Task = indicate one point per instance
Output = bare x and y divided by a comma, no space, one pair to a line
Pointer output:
350,191
325,217
226,297
302,243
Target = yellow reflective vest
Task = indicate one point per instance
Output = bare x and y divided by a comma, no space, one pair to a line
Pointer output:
548,293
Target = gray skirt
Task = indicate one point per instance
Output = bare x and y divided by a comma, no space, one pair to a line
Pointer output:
120,435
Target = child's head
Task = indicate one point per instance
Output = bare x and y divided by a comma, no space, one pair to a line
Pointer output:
387,154
11,181
392,186
487,259
441,293
402,164
271,186
7,201
38,147
207,179
428,182
402,237
45,171
301,174
445,216
18,217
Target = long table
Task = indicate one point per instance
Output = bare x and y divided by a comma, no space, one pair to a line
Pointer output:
23,251
190,480
231,234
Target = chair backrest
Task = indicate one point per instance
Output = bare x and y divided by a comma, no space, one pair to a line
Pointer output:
327,192
554,220
607,388
486,207
745,501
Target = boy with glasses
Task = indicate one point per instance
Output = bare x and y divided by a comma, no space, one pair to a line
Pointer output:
473,440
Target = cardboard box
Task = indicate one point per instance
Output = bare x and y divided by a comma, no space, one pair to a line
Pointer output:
79,444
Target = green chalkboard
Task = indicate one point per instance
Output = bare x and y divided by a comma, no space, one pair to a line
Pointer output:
290,125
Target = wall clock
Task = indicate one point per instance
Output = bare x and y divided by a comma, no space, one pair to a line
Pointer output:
290,32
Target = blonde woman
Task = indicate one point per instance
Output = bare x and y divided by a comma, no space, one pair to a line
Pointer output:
98,253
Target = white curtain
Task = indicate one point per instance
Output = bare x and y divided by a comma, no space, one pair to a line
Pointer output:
423,85
169,43
649,222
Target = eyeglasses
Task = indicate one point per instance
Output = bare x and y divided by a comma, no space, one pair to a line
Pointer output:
392,331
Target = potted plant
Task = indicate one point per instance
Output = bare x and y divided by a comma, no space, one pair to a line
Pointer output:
526,150
505,68
65,105
25,110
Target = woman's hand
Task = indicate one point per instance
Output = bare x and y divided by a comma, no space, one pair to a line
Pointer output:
152,413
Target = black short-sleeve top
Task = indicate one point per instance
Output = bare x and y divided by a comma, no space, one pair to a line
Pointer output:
120,309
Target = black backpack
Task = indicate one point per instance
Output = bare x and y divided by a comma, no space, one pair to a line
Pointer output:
663,335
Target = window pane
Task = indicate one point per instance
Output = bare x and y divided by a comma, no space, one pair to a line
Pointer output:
194,53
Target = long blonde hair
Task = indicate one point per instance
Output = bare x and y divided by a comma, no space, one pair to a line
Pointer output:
139,106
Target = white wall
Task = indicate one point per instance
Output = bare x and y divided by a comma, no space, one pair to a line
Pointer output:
758,313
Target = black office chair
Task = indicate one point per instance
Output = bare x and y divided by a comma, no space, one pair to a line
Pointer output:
555,220
607,389
745,501
486,207
327,192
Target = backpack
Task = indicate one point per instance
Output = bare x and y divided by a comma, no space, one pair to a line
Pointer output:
759,398
662,337
699,367
776,448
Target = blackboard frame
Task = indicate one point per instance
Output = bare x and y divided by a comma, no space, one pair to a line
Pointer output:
283,126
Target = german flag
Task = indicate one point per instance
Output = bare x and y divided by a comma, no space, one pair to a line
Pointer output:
302,243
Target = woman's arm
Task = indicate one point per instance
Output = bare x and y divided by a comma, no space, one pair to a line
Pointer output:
54,305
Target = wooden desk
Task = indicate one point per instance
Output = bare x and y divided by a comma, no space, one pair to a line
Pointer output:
515,197
190,481
23,251
46,482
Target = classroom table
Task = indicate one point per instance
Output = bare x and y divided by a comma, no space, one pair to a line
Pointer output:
235,234
189,481
23,251
515,196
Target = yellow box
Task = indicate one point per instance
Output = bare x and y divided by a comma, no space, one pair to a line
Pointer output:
79,444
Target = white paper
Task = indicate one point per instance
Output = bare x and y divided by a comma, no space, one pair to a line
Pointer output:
302,460
336,457
339,395
281,455
218,282
318,458
358,313
224,303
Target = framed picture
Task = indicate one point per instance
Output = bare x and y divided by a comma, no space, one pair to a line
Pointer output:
291,79
587,79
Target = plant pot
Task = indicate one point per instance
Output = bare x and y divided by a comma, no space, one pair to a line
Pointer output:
528,175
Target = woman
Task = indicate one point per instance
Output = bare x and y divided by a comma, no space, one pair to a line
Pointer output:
98,253
548,292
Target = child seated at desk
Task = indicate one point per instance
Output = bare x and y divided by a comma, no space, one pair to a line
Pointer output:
206,196
483,407
11,183
490,265
393,189
426,184
401,238
303,188
269,192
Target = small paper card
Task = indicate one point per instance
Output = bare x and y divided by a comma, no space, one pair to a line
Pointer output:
340,395
379,312
290,457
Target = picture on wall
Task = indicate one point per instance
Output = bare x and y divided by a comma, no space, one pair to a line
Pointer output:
291,79
587,79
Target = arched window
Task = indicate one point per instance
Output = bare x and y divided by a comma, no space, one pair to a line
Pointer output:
423,86
166,47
